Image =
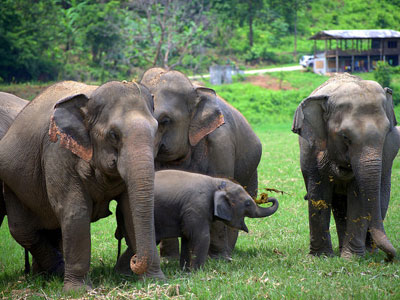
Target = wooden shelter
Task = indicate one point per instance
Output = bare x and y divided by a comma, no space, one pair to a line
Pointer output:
355,50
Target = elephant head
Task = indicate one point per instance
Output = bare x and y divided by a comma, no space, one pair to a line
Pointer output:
185,113
113,129
232,203
346,122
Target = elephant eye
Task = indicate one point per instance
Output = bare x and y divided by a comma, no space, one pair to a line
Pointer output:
114,137
247,203
165,121
346,139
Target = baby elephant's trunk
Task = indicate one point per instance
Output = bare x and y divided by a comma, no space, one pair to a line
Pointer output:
261,212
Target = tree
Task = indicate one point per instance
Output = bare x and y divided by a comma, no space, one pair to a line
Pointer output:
29,40
290,10
241,11
382,73
167,30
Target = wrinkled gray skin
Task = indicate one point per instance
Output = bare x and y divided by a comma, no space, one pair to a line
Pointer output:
10,106
347,142
200,132
83,147
186,204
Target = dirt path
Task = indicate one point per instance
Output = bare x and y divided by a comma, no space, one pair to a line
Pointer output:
269,82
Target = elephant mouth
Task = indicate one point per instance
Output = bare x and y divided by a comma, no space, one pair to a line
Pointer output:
164,156
343,172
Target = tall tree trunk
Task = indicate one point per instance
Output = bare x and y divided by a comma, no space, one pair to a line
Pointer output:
295,34
250,23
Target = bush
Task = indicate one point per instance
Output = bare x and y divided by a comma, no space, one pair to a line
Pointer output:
382,73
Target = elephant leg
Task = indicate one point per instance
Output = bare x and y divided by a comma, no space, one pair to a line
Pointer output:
319,194
357,224
200,243
232,234
252,186
154,270
219,247
23,227
252,189
75,226
122,265
339,209
170,248
320,238
185,257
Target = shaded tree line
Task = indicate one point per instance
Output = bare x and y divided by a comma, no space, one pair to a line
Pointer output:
97,40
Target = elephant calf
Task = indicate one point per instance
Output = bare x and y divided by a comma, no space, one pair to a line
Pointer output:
186,204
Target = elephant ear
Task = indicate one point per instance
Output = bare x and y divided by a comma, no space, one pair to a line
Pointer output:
389,107
222,207
207,115
68,123
309,119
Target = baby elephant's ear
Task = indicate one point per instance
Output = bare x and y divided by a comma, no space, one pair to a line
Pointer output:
222,208
68,123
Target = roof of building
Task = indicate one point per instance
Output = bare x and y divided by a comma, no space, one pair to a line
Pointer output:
356,34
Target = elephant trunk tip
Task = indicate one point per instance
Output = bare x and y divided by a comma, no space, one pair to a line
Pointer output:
139,265
383,243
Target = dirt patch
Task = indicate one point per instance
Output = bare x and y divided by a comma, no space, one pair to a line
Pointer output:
269,82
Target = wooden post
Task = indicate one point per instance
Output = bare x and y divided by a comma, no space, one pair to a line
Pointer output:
352,63
315,47
369,63
381,50
337,56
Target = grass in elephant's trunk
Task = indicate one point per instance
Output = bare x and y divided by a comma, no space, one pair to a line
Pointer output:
263,198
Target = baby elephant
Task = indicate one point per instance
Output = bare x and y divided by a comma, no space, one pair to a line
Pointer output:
185,205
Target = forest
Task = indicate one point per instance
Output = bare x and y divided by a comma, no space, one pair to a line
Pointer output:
99,40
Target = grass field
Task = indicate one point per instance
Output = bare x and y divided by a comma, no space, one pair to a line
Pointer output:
271,261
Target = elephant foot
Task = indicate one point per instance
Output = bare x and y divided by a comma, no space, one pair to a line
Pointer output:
348,254
319,253
218,255
77,286
122,266
158,276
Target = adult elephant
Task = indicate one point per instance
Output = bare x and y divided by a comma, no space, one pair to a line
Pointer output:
201,132
71,151
347,142
10,106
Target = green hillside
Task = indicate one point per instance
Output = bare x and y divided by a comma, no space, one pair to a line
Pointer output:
97,40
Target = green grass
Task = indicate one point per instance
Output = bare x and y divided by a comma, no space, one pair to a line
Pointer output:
271,261
261,106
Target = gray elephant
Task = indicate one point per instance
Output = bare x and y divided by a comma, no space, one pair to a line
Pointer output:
201,132
71,151
348,142
10,106
186,204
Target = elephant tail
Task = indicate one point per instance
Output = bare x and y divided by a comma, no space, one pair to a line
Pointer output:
27,265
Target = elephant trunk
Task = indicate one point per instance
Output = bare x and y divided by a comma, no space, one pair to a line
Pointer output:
262,212
137,170
368,171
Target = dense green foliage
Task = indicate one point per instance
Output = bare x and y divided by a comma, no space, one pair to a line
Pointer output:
100,40
382,73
